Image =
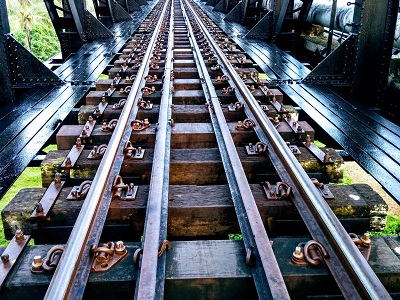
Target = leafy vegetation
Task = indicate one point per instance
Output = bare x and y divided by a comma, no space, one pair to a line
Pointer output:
31,177
392,227
30,24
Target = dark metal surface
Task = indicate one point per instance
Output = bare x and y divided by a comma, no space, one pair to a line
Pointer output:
371,140
373,50
5,78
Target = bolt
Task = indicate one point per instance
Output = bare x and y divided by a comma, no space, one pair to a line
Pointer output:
119,248
78,143
366,239
37,264
19,235
308,140
57,178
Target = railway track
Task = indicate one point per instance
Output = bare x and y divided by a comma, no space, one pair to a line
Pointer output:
186,112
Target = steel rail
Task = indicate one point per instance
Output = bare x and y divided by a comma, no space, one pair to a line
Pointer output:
151,277
65,283
266,274
352,272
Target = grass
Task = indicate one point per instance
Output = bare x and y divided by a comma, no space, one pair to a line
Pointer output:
50,148
346,180
392,227
319,144
31,177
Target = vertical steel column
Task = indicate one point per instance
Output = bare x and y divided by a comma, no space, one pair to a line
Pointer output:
373,49
5,78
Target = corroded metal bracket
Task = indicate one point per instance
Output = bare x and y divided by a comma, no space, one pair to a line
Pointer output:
294,125
318,153
295,150
80,192
97,152
45,204
73,155
87,129
276,192
323,189
122,191
138,125
258,149
11,254
107,256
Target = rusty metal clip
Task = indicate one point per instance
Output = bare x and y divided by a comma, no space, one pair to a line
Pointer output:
276,192
247,124
363,244
314,252
146,91
136,258
52,258
164,245
122,191
73,155
110,126
120,104
294,149
238,106
138,125
108,255
257,149
323,189
131,152
11,254
47,201
228,91
80,192
147,105
87,129
97,152
249,256
216,67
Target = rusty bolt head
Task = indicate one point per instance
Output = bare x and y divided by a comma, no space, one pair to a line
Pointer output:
5,258
78,142
366,239
39,208
68,162
37,263
119,248
19,235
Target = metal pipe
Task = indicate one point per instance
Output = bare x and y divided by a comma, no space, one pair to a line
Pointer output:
63,280
320,14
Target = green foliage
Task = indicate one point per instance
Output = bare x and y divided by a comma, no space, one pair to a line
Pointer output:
31,177
346,180
392,227
51,147
103,76
29,20
319,144
235,237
